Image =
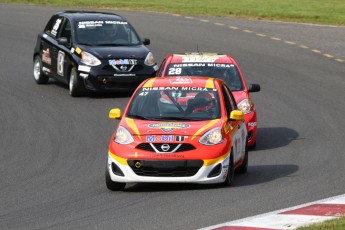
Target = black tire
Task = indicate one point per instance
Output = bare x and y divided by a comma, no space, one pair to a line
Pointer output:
253,146
112,185
244,166
230,176
74,86
39,76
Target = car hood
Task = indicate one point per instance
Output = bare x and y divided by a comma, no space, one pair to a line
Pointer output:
108,52
169,128
239,95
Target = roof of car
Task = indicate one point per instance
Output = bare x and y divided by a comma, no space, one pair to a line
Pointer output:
91,15
201,57
188,81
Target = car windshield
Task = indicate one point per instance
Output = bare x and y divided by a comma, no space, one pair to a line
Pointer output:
106,33
226,72
175,103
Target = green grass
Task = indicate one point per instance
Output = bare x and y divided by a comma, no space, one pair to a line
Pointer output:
335,224
330,12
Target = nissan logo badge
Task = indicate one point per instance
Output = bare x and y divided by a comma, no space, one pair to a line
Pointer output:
165,147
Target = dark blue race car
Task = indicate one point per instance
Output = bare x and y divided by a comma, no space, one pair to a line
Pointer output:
92,51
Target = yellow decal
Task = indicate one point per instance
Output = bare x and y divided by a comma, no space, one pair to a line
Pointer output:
118,159
149,83
209,83
205,127
226,128
215,160
78,50
132,125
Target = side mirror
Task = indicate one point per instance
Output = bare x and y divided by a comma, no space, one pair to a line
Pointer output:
146,41
62,41
115,114
237,115
254,88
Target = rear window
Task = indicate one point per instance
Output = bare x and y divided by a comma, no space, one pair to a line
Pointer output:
227,72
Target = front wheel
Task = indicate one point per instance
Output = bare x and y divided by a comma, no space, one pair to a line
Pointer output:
230,175
39,76
244,166
112,185
74,86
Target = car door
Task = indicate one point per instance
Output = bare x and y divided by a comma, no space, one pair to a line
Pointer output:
49,45
63,52
237,127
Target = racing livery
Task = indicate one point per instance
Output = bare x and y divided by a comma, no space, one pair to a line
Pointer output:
221,66
178,129
92,51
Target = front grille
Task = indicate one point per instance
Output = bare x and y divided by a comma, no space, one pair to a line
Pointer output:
173,147
134,68
169,168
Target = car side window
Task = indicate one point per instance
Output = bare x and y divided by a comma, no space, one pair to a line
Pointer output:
66,30
160,70
226,100
53,26
231,96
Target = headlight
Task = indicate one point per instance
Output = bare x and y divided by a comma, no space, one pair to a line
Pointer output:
212,137
89,59
244,106
122,136
150,60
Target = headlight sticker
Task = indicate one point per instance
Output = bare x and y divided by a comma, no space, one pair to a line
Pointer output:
78,50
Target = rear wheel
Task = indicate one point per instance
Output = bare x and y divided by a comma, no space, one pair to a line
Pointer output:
230,175
112,185
39,76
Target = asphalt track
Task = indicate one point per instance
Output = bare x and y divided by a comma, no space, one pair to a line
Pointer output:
53,148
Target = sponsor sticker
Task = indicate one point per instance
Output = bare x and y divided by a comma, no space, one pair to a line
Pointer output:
84,68
56,26
78,50
198,59
46,56
177,88
252,124
46,70
181,80
164,138
169,126
122,62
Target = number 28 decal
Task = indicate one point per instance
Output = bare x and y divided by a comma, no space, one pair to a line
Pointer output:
175,71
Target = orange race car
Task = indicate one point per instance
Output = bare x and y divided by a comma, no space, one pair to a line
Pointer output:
221,66
178,129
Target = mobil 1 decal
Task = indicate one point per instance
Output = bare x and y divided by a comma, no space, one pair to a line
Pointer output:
165,138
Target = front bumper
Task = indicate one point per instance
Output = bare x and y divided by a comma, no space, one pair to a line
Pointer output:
106,79
122,171
251,123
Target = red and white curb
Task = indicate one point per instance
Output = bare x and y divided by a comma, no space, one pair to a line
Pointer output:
290,218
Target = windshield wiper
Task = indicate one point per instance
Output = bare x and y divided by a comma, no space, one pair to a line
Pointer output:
137,117
112,44
171,118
